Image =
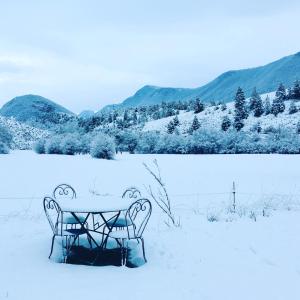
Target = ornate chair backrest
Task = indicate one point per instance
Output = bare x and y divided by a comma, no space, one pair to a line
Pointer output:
132,193
64,191
138,214
53,213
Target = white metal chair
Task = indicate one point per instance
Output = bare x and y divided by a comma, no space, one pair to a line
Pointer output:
136,219
65,191
130,193
55,218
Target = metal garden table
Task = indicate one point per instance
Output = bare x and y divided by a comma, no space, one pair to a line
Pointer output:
109,208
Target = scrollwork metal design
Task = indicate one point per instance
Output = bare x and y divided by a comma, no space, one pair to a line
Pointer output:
132,193
53,212
64,190
138,214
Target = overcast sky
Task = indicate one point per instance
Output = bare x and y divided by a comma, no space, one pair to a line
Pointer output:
85,54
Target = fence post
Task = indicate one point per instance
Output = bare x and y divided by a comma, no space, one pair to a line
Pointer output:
233,192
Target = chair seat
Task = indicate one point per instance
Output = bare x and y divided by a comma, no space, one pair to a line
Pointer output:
68,218
122,234
121,222
75,231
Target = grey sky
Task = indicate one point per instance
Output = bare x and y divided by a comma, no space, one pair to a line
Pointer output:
85,54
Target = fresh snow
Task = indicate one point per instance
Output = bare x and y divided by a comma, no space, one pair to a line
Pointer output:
229,260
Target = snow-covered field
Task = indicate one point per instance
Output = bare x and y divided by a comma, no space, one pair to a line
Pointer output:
233,258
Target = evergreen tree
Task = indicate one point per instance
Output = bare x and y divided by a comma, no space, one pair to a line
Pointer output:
171,127
281,92
298,128
267,106
134,118
240,105
195,125
259,109
278,106
198,106
253,99
293,108
156,115
126,116
169,111
120,124
110,118
176,121
289,93
238,124
115,115
226,123
126,119
256,104
296,90
223,106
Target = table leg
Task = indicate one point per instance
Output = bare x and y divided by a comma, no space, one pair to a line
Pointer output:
104,242
82,226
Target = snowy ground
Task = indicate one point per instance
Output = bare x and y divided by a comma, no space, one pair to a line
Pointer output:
241,259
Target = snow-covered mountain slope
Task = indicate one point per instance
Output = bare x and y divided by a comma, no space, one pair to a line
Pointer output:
265,78
33,108
211,118
23,135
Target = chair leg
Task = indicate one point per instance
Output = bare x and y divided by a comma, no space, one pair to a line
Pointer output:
125,252
69,245
122,251
53,239
63,248
143,246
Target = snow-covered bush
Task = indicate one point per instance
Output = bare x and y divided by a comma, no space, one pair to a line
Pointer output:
171,144
39,146
204,142
53,145
103,146
3,148
70,145
129,141
84,143
147,142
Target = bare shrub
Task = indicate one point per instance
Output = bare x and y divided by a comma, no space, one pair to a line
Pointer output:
161,197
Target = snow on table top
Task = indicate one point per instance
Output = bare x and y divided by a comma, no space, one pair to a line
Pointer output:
94,204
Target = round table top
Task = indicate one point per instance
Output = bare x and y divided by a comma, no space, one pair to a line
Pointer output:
95,204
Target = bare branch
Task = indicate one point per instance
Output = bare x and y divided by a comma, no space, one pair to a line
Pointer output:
162,198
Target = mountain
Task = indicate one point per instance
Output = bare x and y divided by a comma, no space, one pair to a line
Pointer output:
265,78
86,114
32,108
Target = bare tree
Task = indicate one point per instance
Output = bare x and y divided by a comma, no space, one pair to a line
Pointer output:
161,197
